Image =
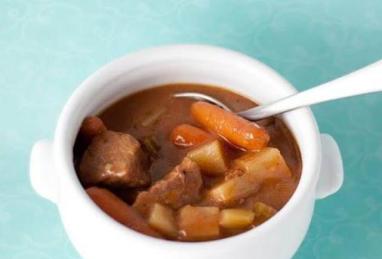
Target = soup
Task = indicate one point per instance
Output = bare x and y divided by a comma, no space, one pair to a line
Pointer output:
180,169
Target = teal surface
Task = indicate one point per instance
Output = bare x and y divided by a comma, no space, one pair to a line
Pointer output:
48,47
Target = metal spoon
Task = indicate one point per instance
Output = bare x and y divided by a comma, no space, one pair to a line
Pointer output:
362,81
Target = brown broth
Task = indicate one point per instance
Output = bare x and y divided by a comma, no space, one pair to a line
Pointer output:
126,116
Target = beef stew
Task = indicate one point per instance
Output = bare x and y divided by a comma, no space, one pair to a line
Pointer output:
184,170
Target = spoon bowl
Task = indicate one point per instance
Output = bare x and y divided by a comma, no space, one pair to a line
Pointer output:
202,97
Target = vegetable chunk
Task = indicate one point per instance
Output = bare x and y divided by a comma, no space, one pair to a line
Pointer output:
162,219
235,129
210,157
265,164
233,190
199,223
186,135
263,212
236,218
268,164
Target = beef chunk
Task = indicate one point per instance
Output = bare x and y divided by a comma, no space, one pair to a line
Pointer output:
179,187
115,160
120,211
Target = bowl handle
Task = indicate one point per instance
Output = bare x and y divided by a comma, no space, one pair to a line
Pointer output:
331,172
42,173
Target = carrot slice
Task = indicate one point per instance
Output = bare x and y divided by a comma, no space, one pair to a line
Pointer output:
235,129
120,211
186,135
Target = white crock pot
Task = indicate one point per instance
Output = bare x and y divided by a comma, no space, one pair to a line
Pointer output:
96,235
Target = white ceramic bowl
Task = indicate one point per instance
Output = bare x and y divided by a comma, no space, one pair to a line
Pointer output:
96,235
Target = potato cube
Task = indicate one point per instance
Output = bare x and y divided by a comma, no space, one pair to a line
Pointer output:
210,157
263,212
198,223
162,219
266,164
232,190
236,218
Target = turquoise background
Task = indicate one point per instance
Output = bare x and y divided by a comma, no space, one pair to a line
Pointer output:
48,47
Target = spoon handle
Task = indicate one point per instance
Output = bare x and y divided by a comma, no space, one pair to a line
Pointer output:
362,81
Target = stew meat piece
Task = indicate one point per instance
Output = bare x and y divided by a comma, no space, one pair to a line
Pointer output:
179,187
114,159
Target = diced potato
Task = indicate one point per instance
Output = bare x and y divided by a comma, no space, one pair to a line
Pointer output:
263,212
232,190
262,209
162,219
210,158
266,164
236,218
198,223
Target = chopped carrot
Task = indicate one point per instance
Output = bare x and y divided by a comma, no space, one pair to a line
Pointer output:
186,135
120,211
233,128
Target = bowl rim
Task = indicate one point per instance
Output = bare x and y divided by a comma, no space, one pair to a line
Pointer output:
63,162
